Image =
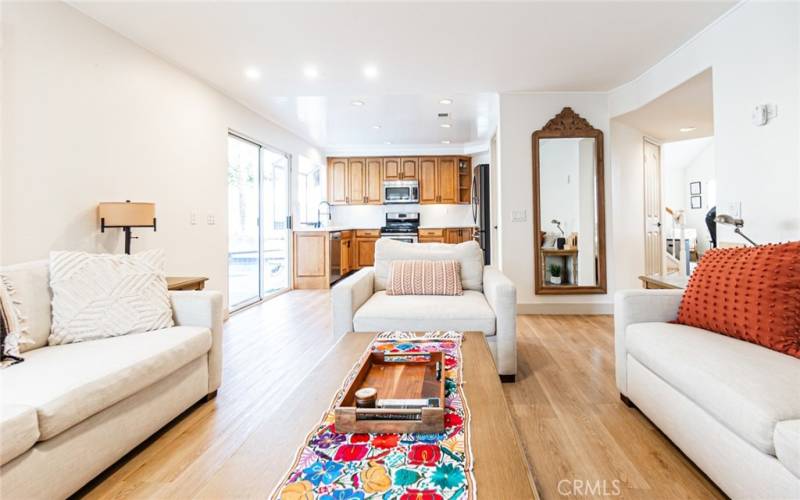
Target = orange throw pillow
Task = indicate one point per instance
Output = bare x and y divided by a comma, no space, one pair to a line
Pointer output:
752,294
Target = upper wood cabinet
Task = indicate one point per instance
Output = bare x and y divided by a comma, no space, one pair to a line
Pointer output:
337,181
356,177
359,181
391,169
408,168
447,181
428,191
438,180
373,181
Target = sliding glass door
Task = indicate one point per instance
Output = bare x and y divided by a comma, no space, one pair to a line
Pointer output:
258,223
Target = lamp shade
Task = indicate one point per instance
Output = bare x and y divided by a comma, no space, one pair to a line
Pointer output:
126,214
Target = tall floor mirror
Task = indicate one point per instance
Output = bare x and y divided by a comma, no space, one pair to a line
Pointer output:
568,207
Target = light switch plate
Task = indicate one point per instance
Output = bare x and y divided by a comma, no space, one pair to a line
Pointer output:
193,218
519,216
211,220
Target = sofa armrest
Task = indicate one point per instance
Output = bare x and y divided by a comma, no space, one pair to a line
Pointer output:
787,445
204,309
501,294
347,297
639,306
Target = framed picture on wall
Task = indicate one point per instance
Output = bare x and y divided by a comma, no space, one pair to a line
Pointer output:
695,188
697,201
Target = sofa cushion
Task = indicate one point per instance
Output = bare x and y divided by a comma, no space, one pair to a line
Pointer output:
425,277
468,312
787,445
746,387
19,430
31,283
749,293
69,383
97,296
469,254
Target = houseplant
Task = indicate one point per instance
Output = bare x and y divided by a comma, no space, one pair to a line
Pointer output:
555,274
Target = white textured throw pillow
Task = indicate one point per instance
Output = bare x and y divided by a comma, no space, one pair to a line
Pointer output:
96,296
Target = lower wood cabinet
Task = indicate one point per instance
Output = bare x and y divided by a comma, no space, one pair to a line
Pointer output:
365,246
452,235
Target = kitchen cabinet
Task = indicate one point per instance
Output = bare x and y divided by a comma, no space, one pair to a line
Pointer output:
408,168
359,181
365,247
459,234
346,253
438,180
428,192
338,173
310,255
373,181
431,235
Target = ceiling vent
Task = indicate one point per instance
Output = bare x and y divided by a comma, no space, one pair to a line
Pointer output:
444,115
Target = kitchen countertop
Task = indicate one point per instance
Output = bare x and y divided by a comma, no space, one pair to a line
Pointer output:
331,229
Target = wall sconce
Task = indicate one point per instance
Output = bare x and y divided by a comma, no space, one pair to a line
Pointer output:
730,220
126,215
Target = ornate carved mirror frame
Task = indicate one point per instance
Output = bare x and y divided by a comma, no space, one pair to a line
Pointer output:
568,124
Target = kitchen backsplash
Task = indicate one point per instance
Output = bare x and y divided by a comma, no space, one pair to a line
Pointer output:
369,216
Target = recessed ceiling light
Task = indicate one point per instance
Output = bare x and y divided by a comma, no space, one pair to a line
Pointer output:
376,127
687,129
370,72
444,125
445,142
387,142
357,103
252,73
311,72
446,101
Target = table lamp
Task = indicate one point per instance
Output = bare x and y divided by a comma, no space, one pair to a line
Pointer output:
734,221
126,215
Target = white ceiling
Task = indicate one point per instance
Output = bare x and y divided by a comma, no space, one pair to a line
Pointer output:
423,52
689,105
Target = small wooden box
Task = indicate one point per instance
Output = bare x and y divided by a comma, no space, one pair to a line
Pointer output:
396,376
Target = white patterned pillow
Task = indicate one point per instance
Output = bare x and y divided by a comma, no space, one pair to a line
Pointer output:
97,296
425,277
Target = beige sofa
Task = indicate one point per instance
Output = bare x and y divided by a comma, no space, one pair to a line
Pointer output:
731,406
489,303
69,411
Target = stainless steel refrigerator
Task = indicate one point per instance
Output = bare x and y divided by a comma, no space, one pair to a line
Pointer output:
480,209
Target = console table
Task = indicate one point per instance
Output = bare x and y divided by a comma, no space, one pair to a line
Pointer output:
175,283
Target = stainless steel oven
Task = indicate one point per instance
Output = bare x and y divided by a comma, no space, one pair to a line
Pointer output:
401,226
400,192
408,238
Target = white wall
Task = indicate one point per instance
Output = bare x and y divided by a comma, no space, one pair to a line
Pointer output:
520,116
374,216
89,116
627,202
754,55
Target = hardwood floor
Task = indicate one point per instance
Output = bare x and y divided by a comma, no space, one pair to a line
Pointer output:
578,436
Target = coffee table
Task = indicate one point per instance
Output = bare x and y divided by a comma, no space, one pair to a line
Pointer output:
501,470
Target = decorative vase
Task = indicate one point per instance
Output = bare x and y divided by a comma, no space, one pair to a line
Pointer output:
560,245
556,280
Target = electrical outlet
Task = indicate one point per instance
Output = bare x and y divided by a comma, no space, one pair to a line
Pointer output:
210,219
519,216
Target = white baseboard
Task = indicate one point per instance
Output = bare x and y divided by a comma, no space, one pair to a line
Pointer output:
566,308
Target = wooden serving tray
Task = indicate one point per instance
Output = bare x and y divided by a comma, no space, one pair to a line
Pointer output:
396,376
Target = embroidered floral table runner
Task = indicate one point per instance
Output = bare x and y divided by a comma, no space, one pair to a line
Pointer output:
336,466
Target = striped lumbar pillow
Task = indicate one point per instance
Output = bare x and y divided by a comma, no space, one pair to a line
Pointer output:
425,277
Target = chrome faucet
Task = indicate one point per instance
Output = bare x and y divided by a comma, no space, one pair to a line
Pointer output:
320,212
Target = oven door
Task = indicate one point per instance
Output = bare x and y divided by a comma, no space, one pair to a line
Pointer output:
406,238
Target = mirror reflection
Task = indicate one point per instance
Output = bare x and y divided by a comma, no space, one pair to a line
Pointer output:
568,218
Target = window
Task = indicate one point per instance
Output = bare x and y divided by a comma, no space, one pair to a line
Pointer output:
309,189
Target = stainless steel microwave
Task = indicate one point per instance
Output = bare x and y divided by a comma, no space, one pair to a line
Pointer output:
400,192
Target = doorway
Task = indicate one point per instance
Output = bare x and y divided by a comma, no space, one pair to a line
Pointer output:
259,222
652,207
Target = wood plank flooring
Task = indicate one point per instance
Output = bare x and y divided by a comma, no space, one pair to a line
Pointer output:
577,435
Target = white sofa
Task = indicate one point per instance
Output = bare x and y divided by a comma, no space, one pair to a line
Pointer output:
489,303
69,411
731,406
